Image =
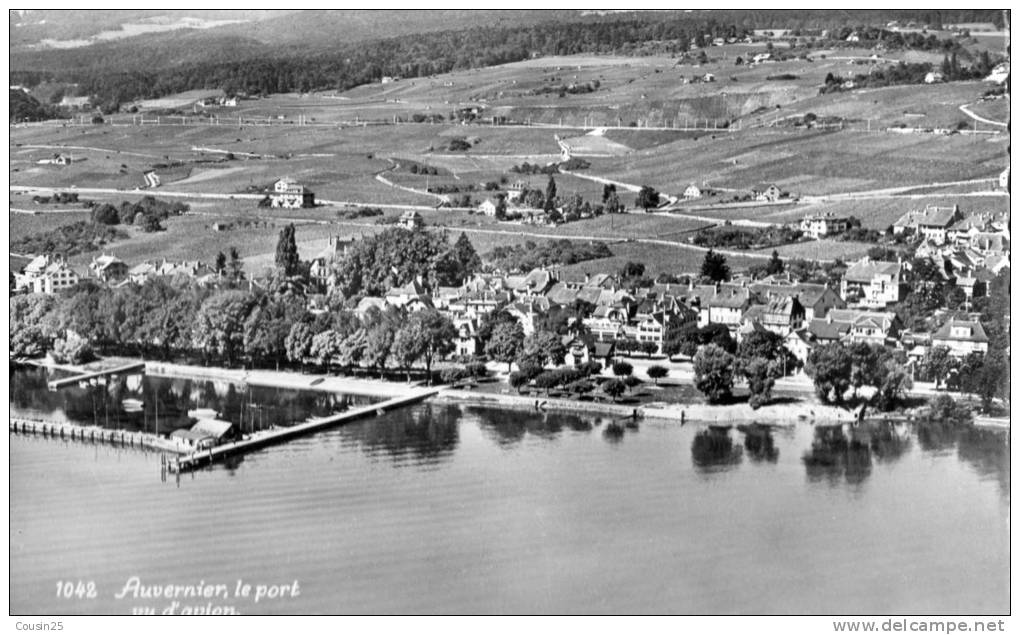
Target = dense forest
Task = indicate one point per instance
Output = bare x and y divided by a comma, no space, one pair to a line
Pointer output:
149,67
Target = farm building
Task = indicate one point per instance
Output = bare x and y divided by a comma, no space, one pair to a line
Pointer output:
488,207
766,192
411,220
289,193
819,225
692,191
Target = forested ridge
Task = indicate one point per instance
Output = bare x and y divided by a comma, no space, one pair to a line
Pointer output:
149,67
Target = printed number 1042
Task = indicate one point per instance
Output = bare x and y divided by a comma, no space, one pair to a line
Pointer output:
82,590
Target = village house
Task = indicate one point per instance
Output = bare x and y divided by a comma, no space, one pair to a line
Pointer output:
871,283
799,344
873,327
1004,179
76,103
827,330
961,337
467,343
46,274
411,220
692,191
488,207
766,192
820,225
933,77
607,323
782,315
108,268
289,193
56,159
727,306
514,191
321,267
932,222
412,296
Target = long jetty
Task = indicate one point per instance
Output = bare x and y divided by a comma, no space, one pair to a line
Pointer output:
260,440
96,434
119,370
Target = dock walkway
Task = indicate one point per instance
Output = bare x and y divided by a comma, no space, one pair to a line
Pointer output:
96,434
263,439
126,368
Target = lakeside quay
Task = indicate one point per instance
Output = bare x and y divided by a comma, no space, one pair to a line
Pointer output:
808,410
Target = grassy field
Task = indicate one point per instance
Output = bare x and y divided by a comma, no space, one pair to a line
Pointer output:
821,250
21,225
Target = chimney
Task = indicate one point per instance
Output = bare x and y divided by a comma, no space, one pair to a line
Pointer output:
828,318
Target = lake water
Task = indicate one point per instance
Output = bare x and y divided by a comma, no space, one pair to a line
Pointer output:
452,509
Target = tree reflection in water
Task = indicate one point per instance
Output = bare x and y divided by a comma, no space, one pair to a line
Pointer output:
988,452
834,455
423,434
509,427
713,448
169,400
759,443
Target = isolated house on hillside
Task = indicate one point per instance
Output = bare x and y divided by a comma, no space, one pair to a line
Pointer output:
692,191
766,192
289,193
411,220
819,225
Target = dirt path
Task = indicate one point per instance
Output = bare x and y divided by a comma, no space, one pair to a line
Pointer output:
89,149
965,109
394,165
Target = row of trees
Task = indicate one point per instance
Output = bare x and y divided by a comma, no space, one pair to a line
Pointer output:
171,318
759,359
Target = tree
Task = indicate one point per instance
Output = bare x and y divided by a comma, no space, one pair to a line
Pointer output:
72,350
106,214
630,381
713,372
221,263
714,267
649,348
775,264
550,194
865,367
631,269
937,363
622,369
608,190
150,223
657,372
647,198
424,336
614,388
613,204
219,324
326,347
541,348
892,385
518,380
236,266
299,342
993,379
287,257
506,342
466,255
830,367
760,374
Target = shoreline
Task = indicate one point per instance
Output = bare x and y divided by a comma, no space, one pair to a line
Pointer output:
788,413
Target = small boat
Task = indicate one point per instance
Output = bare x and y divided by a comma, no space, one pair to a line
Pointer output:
132,405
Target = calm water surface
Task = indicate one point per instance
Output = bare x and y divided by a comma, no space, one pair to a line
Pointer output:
450,509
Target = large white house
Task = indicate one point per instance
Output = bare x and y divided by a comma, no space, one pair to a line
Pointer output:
871,283
289,193
961,337
46,274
